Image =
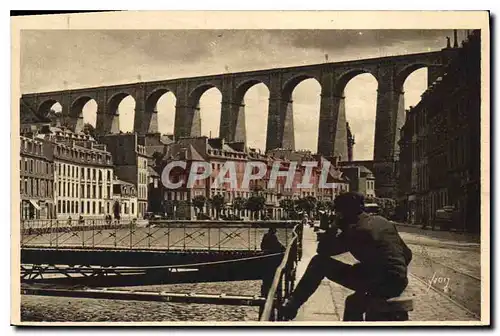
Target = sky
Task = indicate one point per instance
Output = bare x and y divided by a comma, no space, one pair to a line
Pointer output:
69,59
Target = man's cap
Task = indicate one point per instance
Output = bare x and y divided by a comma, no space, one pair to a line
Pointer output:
349,201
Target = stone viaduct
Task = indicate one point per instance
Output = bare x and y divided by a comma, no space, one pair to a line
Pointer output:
390,73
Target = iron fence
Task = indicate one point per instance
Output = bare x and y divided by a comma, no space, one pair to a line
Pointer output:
161,235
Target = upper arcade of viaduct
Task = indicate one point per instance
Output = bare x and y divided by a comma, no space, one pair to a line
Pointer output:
390,73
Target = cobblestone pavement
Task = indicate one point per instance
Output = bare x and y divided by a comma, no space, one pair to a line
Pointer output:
59,309
429,304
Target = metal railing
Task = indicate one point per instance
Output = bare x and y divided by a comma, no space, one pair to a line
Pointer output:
284,278
161,235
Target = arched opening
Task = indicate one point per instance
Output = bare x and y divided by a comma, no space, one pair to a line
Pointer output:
50,108
83,113
208,100
89,112
360,94
255,97
306,98
414,85
122,104
163,101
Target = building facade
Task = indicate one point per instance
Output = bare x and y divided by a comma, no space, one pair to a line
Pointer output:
131,163
83,174
36,179
440,144
125,201
361,179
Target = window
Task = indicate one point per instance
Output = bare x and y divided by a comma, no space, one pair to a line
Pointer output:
63,206
31,166
93,192
82,172
93,208
100,207
107,207
133,210
88,207
59,209
82,207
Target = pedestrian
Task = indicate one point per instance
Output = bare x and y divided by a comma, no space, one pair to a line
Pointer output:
305,219
374,241
270,244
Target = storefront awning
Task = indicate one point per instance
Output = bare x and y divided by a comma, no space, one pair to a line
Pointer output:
35,204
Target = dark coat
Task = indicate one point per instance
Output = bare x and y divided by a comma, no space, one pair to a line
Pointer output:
271,244
374,242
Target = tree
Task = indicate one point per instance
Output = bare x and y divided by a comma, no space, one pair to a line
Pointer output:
255,204
239,204
306,204
217,203
89,129
288,206
199,202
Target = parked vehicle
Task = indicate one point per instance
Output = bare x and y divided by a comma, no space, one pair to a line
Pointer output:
152,216
445,217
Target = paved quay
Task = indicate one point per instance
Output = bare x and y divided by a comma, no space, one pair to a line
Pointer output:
327,303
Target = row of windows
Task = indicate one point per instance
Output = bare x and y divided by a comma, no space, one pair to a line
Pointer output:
81,172
36,187
76,154
142,177
34,166
226,154
142,192
70,189
370,184
31,146
90,208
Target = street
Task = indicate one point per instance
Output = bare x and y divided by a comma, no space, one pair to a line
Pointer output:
444,281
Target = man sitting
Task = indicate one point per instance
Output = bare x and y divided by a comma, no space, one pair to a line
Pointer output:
374,241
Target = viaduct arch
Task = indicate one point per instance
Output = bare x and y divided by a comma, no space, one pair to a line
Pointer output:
390,73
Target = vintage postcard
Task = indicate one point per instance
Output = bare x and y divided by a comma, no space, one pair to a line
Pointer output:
251,168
